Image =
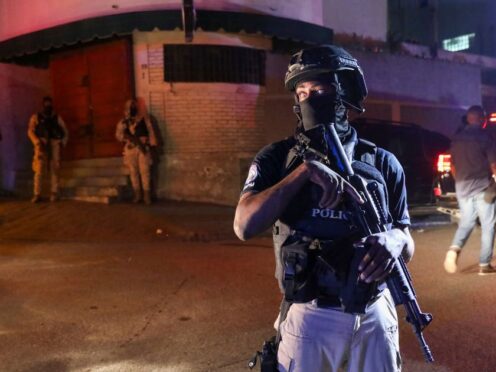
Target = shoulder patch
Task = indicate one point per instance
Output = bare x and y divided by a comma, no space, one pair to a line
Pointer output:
252,176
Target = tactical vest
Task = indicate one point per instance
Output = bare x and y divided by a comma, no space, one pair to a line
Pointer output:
49,127
140,130
303,221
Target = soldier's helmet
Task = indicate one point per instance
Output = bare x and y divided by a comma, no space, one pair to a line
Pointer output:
332,61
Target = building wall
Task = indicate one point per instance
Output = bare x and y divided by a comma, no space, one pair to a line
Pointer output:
279,120
431,93
25,16
363,18
420,79
22,89
411,22
210,131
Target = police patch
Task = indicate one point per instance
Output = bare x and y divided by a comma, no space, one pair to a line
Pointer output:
252,176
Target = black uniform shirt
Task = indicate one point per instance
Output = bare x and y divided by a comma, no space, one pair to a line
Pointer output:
267,169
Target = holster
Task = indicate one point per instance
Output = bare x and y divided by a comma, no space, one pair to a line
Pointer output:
299,279
268,357
340,257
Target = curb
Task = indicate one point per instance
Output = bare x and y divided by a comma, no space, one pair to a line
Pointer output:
430,221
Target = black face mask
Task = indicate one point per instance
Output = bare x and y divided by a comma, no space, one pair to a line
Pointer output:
47,110
133,111
322,109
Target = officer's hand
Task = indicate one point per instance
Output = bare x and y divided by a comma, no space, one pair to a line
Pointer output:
333,185
383,249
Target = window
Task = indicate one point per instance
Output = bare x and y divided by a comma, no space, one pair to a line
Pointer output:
214,63
458,43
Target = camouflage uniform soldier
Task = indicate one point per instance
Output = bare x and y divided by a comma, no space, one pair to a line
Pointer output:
47,132
136,131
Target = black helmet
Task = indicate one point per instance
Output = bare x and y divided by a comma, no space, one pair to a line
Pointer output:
328,59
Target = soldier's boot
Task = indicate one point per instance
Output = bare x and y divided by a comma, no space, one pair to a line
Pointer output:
137,196
36,199
54,197
147,197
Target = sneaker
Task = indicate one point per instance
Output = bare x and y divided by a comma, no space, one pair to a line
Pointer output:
36,199
450,261
486,270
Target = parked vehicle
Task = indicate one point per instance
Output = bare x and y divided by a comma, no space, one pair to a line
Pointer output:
444,183
416,148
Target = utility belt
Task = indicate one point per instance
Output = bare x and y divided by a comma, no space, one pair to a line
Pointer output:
131,146
306,262
301,259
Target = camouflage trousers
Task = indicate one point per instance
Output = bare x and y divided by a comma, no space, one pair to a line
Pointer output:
139,165
46,160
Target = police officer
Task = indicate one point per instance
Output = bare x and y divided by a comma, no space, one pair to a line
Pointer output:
304,201
47,132
136,132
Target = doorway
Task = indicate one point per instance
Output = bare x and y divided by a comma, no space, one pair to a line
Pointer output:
90,87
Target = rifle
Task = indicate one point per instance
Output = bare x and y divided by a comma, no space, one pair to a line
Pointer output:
319,143
136,142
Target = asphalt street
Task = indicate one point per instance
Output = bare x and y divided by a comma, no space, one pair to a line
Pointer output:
174,304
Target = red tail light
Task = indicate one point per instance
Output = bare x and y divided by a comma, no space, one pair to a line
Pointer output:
444,163
437,191
492,118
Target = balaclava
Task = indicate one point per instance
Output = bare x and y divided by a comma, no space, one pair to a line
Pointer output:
324,109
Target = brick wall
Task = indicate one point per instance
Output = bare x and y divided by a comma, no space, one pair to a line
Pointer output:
210,133
208,137
155,56
213,122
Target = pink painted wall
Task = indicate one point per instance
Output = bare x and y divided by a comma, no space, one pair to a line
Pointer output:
21,91
25,16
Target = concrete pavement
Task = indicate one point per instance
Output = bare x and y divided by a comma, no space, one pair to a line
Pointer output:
131,307
103,295
73,221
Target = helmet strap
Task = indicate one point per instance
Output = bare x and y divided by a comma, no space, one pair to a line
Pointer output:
340,95
360,110
296,108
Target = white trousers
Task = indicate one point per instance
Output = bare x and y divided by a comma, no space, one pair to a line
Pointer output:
320,339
